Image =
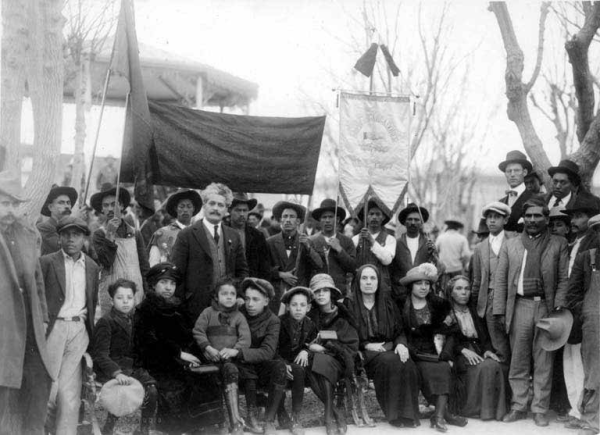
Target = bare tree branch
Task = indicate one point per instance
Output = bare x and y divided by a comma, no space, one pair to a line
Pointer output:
544,8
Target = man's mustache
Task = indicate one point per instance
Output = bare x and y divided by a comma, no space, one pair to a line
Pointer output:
67,211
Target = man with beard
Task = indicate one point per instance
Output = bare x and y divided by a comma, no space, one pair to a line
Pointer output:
253,241
531,281
207,252
293,256
119,247
337,251
24,366
183,205
58,204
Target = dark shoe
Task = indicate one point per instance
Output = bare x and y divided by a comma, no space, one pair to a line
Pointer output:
540,419
251,422
455,420
514,415
438,424
283,417
109,424
562,417
404,422
340,419
295,425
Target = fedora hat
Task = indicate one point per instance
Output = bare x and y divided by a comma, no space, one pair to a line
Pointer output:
373,202
516,156
594,221
173,201
240,197
559,213
287,296
321,281
423,272
498,207
120,400
72,222
554,329
96,199
282,205
583,204
55,192
412,208
329,205
262,285
568,167
10,185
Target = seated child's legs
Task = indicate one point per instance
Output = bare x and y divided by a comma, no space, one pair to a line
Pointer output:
297,387
230,373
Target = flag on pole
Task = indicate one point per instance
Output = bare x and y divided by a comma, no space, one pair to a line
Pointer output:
138,139
374,149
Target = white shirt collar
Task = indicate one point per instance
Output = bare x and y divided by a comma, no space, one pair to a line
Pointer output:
67,257
519,189
563,201
180,225
211,227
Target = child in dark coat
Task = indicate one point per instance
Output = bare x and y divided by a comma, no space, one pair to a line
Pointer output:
112,352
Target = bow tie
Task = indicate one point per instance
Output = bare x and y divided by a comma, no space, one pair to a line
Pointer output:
511,192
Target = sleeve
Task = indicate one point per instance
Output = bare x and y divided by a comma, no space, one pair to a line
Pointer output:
101,349
347,257
49,239
386,253
41,291
179,257
399,327
501,282
476,275
267,348
200,329
154,256
577,284
105,249
314,259
562,275
274,262
264,264
243,330
148,344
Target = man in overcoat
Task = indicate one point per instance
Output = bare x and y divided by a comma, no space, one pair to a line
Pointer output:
24,365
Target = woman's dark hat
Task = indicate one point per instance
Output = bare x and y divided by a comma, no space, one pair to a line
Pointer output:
566,167
173,201
163,271
55,192
413,208
329,205
96,199
282,205
294,291
240,197
516,156
261,285
360,213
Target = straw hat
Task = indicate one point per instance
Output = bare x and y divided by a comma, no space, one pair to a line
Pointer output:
242,198
122,400
554,329
423,272
96,199
321,281
413,208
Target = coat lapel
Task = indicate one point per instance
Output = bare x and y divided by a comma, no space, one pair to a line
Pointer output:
200,235
9,262
59,269
281,249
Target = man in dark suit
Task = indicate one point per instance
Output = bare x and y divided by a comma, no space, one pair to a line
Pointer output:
515,168
567,187
531,281
58,204
253,240
24,366
71,281
208,251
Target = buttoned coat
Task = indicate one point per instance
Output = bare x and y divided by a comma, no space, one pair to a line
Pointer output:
579,193
481,273
280,262
335,264
257,254
55,281
554,265
192,255
13,317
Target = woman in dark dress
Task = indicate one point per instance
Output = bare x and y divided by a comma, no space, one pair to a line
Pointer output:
332,357
480,378
426,315
162,345
384,347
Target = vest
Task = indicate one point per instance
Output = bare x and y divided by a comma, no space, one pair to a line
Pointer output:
217,253
493,259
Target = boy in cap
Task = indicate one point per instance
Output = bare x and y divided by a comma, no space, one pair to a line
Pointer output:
560,223
484,263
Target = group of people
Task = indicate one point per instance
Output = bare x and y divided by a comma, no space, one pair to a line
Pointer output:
206,308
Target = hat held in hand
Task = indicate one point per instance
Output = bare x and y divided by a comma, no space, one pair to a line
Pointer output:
554,329
122,400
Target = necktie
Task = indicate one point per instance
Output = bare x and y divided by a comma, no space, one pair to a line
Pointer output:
511,193
556,203
216,234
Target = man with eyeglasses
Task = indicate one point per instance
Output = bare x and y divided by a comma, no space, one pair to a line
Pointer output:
183,205
531,281
567,187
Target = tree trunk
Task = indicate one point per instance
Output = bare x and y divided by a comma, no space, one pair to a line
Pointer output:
12,84
45,79
80,93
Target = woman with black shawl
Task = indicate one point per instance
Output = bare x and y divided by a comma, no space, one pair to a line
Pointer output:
384,347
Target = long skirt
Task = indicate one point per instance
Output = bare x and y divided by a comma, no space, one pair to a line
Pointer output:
396,384
481,389
436,379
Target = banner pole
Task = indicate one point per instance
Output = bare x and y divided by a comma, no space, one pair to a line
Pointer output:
118,208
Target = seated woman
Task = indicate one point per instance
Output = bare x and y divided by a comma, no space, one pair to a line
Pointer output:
383,343
480,378
424,316
335,350
162,345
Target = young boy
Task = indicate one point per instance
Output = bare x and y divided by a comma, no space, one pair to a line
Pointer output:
297,331
221,332
485,261
113,354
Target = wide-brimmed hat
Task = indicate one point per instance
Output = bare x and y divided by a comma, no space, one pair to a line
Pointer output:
282,205
329,205
163,270
360,212
287,296
583,204
120,400
423,272
262,285
413,208
55,192
558,213
554,329
96,199
72,222
482,228
594,221
454,223
566,167
240,197
322,280
516,156
173,201
498,207
10,185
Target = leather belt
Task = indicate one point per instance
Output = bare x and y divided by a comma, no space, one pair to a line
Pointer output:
532,298
71,319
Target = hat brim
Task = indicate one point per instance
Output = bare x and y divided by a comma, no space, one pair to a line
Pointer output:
251,203
282,205
360,212
525,163
135,393
549,344
296,290
407,280
55,193
173,200
562,170
341,213
454,222
85,230
96,199
404,214
591,211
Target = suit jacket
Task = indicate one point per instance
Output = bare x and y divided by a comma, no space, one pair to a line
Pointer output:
257,254
516,211
192,255
53,270
555,265
13,315
280,262
480,270
335,264
579,193
286,348
112,346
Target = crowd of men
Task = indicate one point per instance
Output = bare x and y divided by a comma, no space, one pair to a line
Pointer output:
537,255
